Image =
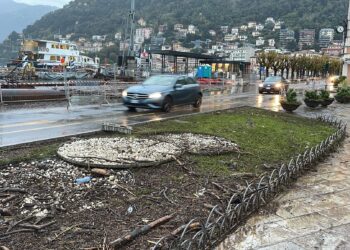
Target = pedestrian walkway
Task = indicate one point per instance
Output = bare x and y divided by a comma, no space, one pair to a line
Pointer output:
313,214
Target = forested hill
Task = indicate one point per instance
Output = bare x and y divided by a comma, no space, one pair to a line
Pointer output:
16,16
90,17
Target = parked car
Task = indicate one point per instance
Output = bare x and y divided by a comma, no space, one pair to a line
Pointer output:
163,92
273,84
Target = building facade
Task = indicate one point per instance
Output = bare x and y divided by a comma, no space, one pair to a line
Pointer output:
306,38
326,37
286,36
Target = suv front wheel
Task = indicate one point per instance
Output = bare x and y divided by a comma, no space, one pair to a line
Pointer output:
167,104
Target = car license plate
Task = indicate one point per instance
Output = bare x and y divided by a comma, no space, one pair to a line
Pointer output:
134,101
268,88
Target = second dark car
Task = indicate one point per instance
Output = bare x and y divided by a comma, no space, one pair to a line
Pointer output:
273,84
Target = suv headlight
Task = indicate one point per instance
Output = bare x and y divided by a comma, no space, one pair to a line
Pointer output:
156,95
278,85
261,85
125,93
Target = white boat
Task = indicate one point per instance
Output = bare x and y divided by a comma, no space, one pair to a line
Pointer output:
50,57
46,53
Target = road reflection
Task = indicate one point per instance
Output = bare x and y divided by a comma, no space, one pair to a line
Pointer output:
271,102
259,101
275,103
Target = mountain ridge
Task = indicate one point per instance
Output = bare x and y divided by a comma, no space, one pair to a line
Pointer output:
17,16
90,17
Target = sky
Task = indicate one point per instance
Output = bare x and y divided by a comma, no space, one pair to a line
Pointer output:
57,3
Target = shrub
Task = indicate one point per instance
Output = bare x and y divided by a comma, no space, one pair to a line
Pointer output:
311,95
343,93
324,95
291,96
340,80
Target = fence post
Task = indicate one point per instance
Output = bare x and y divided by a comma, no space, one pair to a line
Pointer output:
1,98
66,85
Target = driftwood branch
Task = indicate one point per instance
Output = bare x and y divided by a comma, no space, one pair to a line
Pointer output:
37,227
17,231
119,160
193,226
12,225
210,207
139,231
13,190
124,188
5,212
65,231
165,195
8,199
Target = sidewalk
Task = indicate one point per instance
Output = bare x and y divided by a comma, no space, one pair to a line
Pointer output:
313,214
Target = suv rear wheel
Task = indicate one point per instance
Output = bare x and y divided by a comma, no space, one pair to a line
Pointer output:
198,102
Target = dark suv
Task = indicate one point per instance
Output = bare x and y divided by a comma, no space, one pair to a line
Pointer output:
163,92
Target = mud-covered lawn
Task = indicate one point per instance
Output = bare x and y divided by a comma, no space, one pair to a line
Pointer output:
42,207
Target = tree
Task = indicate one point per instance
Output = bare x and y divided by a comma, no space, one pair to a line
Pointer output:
292,46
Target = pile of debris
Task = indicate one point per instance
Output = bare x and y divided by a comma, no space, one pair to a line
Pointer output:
129,152
32,194
199,143
119,152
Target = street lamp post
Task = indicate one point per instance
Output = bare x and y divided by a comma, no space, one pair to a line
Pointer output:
346,46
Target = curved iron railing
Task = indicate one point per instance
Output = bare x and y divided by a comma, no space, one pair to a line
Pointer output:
241,205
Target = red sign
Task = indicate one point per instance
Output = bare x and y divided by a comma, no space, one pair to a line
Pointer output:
63,60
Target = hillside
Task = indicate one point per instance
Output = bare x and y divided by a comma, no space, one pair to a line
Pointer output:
16,16
89,17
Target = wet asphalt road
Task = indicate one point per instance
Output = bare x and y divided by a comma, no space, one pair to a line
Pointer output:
29,125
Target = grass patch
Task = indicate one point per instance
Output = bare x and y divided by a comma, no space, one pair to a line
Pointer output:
265,137
28,153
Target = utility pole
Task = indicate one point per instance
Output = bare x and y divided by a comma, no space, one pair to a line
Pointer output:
132,28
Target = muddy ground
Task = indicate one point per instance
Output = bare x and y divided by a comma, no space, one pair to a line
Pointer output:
84,216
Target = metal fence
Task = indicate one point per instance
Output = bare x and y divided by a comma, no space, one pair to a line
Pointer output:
79,92
241,205
95,92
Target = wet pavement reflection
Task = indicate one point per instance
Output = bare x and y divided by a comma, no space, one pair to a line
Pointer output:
27,125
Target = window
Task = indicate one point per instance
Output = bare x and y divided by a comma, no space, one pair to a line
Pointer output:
190,80
52,46
181,81
52,58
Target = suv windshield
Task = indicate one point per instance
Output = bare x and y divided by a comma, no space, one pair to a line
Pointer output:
160,80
